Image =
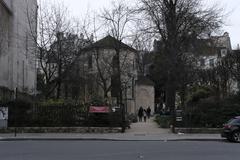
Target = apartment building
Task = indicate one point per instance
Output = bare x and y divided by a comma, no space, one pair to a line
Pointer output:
18,24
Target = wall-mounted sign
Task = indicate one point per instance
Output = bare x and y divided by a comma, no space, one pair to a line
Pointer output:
179,115
3,113
99,109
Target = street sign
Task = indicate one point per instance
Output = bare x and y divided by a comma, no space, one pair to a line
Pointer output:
179,119
179,114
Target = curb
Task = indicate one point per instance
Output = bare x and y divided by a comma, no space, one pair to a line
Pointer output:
111,139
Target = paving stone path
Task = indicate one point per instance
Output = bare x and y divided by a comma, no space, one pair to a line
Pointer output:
149,127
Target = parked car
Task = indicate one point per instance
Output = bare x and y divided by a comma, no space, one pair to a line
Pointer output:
231,130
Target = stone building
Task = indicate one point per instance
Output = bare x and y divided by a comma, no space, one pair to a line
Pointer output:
17,49
98,68
145,94
213,49
99,64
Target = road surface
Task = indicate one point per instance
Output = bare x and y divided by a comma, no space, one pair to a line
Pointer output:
118,150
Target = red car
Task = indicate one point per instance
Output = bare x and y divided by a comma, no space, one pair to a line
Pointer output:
231,130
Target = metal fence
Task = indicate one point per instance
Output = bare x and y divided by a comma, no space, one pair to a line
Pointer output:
46,116
59,116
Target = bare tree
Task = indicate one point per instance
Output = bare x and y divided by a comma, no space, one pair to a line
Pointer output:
58,45
142,42
117,21
178,23
233,66
104,68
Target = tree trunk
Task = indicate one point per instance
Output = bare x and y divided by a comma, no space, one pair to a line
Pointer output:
170,101
59,81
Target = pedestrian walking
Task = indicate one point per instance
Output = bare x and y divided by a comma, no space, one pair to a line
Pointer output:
148,112
140,114
145,115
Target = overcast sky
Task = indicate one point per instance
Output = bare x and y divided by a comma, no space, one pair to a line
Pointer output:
79,8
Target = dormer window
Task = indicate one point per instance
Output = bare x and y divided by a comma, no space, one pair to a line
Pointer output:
90,62
223,52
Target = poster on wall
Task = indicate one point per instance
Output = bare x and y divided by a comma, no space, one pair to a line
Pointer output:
99,109
3,113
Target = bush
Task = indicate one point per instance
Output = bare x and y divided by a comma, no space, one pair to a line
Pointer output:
163,121
212,112
198,93
112,119
132,118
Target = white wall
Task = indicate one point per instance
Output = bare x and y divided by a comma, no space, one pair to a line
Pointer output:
18,62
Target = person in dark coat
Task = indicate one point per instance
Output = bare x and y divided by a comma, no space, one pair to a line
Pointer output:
148,112
145,115
140,114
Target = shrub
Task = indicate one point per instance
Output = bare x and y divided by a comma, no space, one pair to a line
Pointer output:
212,112
163,121
132,118
198,93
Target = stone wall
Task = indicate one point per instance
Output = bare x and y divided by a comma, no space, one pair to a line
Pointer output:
145,95
61,130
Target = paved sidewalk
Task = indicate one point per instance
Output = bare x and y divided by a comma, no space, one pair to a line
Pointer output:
147,128
140,131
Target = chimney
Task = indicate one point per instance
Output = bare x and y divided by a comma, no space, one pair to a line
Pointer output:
81,36
60,35
91,38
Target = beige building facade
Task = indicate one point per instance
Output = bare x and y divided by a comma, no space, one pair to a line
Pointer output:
99,66
145,94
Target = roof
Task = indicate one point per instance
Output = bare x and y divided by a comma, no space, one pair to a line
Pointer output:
142,80
207,46
6,5
236,51
110,42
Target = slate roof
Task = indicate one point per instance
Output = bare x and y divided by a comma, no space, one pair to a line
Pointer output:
109,42
142,80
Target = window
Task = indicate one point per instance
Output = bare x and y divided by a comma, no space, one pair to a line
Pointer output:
202,62
133,65
90,61
115,64
223,52
211,62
